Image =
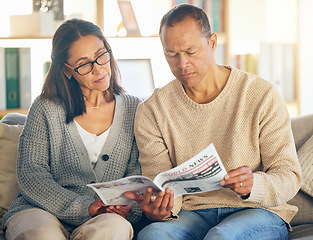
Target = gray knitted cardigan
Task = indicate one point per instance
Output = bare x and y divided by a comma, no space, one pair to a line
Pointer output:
53,166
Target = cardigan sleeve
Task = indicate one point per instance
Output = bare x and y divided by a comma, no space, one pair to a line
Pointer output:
153,153
134,168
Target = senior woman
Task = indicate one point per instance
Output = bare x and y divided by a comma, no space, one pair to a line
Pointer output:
78,131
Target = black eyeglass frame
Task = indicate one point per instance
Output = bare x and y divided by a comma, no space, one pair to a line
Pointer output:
92,63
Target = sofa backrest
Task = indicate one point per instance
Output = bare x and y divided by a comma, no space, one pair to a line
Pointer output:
302,128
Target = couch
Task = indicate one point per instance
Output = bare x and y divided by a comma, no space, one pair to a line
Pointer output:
302,224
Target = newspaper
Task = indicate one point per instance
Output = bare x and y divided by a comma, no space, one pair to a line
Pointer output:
202,173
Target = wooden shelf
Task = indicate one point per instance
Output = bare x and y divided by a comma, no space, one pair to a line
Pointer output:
26,37
50,37
225,38
13,110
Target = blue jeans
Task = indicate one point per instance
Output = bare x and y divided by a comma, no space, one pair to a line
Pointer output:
218,224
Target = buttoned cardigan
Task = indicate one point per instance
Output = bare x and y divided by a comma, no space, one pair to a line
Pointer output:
53,166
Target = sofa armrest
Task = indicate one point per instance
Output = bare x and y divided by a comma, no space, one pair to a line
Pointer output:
302,128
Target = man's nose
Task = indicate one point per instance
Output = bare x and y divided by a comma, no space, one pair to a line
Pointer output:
183,61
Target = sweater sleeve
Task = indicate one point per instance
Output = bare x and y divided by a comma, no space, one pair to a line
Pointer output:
36,183
280,179
153,153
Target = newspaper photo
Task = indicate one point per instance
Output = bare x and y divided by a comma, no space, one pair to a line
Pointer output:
202,173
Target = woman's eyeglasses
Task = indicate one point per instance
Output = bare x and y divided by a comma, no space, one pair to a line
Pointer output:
86,68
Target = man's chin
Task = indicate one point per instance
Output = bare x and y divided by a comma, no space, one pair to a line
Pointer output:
188,83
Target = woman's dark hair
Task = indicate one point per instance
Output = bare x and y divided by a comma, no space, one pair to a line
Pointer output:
66,91
181,12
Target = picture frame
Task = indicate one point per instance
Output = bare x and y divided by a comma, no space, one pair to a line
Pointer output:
128,18
137,76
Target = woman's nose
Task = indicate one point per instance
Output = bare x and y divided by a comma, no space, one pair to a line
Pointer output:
97,68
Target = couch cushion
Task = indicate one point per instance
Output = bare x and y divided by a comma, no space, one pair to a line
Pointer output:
304,202
305,155
8,153
301,232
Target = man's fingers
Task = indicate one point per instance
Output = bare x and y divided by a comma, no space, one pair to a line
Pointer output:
158,200
166,198
171,202
241,187
239,180
147,197
238,175
133,196
157,208
130,195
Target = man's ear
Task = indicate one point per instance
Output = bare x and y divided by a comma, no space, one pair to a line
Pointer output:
212,41
66,72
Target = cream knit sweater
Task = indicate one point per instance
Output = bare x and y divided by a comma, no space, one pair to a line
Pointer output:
249,125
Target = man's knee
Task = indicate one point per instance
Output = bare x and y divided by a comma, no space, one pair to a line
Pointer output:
157,230
149,232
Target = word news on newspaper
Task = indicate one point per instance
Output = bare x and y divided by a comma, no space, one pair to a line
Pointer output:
202,173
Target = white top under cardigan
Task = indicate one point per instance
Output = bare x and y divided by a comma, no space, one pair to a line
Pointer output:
92,142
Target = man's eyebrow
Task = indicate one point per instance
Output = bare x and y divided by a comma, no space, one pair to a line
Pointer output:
186,50
190,48
169,51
